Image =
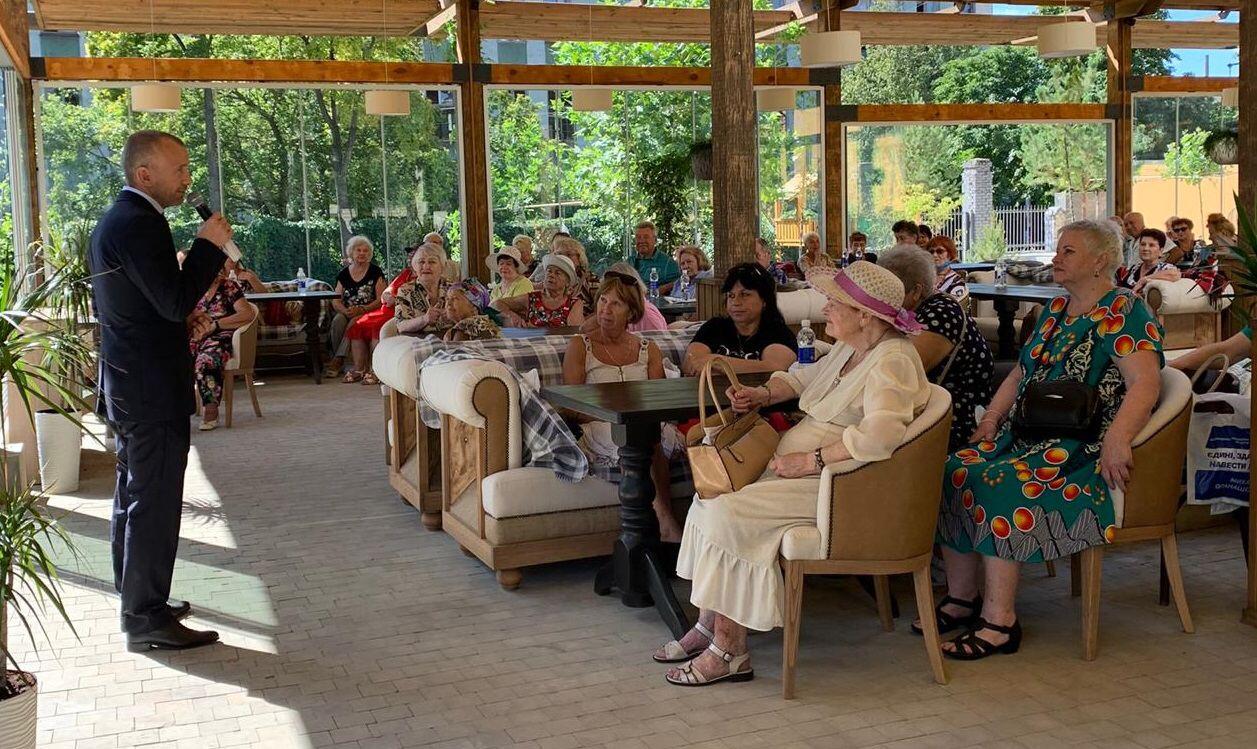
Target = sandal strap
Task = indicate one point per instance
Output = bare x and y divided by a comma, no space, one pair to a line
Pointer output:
698,627
971,605
721,653
972,644
984,624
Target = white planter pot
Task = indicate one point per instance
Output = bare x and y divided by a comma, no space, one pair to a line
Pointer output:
17,720
59,441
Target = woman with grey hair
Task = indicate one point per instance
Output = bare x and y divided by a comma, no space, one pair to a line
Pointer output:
359,288
1016,496
952,349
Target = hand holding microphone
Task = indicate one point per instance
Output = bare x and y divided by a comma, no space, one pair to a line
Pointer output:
215,229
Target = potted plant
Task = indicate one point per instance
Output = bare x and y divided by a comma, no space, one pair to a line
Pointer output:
38,355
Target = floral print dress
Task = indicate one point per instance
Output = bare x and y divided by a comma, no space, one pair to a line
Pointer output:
412,301
211,353
1033,501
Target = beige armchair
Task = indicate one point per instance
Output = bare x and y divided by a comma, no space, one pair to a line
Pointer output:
857,503
1147,509
244,349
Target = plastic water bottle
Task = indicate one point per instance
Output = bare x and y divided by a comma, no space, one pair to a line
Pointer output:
683,286
301,280
1001,274
807,343
654,283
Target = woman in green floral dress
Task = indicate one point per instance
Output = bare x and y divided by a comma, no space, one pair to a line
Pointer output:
1008,499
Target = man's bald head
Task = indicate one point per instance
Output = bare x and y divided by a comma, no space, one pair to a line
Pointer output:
157,163
1134,223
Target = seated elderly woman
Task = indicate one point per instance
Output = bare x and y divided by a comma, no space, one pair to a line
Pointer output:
1150,267
468,313
225,304
858,400
360,286
507,263
953,351
751,334
651,319
764,256
586,279
610,353
943,251
1016,496
811,256
556,305
420,306
1222,236
694,265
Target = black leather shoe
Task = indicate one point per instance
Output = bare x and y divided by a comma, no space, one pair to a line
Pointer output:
179,609
173,636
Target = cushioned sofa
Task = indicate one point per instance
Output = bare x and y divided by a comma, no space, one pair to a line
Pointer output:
1186,313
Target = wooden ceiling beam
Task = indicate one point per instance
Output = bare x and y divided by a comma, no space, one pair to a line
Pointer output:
525,19
15,36
196,70
1172,84
947,113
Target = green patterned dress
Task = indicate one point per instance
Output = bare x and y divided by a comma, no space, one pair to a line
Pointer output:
1034,501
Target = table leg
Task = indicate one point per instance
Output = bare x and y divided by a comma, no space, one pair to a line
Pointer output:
314,346
637,569
1007,311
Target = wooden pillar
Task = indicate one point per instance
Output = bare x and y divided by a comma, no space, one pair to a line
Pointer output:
1118,52
32,165
475,139
1248,198
835,176
734,134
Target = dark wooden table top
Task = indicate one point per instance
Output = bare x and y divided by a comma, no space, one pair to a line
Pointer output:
639,401
1015,293
286,296
675,308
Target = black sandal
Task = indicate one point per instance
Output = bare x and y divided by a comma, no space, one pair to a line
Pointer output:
947,622
970,647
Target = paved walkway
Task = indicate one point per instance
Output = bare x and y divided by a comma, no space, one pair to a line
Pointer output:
346,624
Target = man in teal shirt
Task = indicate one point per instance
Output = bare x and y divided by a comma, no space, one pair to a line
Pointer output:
648,257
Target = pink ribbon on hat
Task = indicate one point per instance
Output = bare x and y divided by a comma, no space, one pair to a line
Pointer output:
901,318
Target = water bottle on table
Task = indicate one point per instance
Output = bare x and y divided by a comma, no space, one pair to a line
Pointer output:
301,280
683,286
806,343
1001,273
654,283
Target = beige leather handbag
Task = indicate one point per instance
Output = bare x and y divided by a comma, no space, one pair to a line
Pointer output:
726,451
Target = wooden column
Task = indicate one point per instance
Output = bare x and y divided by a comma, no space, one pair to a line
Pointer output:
734,134
1248,197
1118,52
475,140
835,176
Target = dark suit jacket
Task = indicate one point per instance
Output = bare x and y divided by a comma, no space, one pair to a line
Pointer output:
142,299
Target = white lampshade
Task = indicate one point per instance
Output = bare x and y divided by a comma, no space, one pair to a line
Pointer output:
388,103
831,49
591,99
155,97
1231,97
774,99
1068,39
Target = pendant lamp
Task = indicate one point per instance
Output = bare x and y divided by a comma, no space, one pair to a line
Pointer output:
388,103
831,49
591,99
155,97
1068,39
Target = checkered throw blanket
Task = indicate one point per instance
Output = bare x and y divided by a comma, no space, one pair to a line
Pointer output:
548,445
292,333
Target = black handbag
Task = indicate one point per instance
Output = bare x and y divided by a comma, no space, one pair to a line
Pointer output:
1058,409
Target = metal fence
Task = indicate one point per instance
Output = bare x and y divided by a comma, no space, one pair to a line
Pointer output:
1024,227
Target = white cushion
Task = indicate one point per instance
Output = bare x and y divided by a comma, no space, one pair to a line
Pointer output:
394,363
449,388
1185,297
804,304
535,491
389,329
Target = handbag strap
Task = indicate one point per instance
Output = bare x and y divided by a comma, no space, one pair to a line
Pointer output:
955,349
707,386
1226,364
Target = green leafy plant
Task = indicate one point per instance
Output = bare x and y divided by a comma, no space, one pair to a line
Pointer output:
991,244
1243,275
41,356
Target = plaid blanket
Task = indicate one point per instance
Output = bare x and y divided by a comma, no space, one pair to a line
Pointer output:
544,354
293,333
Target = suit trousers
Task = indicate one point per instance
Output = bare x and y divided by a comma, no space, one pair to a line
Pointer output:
147,510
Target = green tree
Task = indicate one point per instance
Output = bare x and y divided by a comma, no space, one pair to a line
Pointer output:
1186,159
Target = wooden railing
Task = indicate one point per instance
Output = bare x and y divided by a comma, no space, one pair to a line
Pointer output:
790,231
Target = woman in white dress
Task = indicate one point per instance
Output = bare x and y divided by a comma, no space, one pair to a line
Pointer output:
859,401
610,353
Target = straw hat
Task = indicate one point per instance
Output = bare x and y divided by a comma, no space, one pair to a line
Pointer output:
511,252
869,287
555,260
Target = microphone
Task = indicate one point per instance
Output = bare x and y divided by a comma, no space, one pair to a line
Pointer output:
203,210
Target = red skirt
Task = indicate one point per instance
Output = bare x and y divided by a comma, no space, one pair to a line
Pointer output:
367,327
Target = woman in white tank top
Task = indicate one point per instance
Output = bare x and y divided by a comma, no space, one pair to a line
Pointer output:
609,353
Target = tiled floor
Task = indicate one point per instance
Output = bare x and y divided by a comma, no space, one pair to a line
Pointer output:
345,623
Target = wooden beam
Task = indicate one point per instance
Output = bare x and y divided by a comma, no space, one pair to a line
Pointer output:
15,35
835,175
1118,55
734,135
576,75
1172,84
436,24
200,70
524,19
946,113
478,213
1168,4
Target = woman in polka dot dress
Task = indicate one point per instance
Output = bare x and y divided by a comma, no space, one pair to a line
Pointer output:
1009,499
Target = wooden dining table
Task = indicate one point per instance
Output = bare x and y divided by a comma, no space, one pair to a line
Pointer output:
638,568
311,306
675,309
1006,299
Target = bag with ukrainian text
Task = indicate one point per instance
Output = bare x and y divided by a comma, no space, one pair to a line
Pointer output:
1218,448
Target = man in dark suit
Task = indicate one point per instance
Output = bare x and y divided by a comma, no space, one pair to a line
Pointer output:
145,304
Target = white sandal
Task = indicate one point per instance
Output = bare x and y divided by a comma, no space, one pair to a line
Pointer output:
691,677
674,653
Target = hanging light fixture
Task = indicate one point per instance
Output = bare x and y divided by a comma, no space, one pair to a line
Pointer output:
591,99
1068,39
154,97
775,99
831,49
387,102
1231,97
